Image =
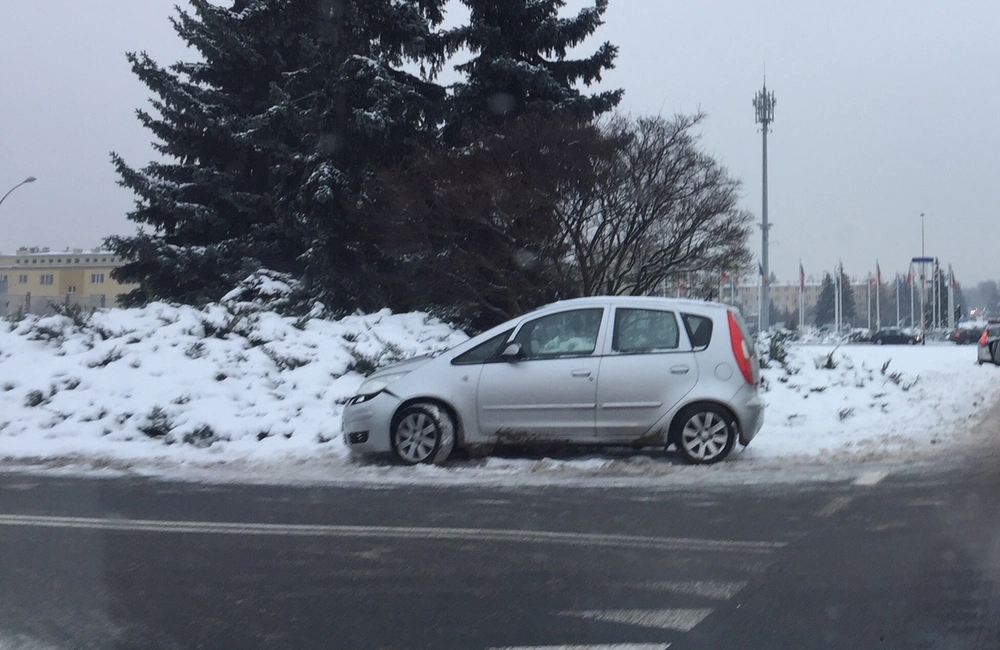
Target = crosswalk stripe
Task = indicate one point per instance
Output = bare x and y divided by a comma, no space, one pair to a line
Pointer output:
702,588
602,646
834,506
682,620
868,479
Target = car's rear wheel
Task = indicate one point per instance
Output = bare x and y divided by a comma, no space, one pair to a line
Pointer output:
704,433
878,341
423,433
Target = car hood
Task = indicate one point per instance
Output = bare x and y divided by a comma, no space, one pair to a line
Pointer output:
406,365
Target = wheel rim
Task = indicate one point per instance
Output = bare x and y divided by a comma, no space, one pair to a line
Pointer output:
416,437
705,436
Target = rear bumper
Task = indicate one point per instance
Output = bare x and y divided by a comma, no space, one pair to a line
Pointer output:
750,411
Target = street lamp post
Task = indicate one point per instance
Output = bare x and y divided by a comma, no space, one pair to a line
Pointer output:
30,179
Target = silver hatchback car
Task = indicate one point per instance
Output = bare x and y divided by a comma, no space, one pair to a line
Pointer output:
614,370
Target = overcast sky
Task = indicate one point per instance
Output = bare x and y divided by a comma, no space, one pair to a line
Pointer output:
886,109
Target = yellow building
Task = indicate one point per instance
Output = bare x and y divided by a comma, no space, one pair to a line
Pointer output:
33,278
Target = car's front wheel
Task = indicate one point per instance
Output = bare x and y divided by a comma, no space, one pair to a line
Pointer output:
423,433
704,434
878,341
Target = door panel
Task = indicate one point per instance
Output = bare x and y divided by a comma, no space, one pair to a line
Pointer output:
648,370
551,399
551,392
635,390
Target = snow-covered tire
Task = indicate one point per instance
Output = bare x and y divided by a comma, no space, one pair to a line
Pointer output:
878,341
704,433
423,433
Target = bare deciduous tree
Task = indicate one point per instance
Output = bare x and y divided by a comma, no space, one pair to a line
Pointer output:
656,208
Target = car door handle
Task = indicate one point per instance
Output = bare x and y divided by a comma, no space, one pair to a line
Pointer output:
679,370
581,373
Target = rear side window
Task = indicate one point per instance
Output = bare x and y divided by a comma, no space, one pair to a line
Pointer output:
645,330
699,329
486,351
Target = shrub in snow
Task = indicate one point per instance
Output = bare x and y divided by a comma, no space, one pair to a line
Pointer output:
201,437
114,354
157,423
267,290
35,398
74,313
827,362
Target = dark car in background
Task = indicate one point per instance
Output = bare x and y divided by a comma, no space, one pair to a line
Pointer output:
966,335
989,345
895,336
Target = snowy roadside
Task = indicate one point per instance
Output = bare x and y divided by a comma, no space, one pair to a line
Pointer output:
234,392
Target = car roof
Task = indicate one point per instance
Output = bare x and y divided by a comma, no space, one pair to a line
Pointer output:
651,301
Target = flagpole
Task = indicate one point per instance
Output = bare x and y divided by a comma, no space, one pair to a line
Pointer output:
951,298
836,304
869,302
878,296
878,306
897,301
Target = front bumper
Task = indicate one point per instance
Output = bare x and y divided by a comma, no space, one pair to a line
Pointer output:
365,426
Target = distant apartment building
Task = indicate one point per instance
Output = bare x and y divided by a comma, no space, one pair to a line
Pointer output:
784,297
32,279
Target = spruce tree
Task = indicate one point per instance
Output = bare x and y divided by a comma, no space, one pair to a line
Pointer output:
848,308
826,303
270,140
520,63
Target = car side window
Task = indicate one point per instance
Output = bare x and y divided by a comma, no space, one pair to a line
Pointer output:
699,329
566,334
488,350
645,330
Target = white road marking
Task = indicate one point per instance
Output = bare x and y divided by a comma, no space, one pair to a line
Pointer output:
395,532
836,505
602,646
924,503
869,479
702,588
682,620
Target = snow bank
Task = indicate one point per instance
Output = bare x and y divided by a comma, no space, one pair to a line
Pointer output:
234,387
228,380
862,399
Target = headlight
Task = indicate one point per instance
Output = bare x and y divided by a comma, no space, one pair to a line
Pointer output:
375,385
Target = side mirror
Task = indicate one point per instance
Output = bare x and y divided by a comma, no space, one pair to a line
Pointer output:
512,352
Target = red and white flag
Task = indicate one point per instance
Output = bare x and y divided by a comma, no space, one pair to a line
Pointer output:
878,273
802,278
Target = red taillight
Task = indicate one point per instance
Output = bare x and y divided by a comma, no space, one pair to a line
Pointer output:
982,340
741,350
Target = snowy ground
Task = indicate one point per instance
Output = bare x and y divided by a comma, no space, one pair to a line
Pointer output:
235,392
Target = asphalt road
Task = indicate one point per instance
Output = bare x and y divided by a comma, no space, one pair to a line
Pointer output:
878,561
